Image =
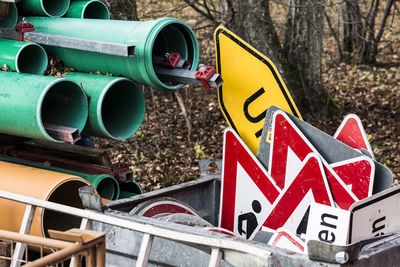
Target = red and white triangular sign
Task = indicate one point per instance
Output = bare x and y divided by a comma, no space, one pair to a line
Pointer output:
352,133
309,186
287,143
363,169
283,238
247,190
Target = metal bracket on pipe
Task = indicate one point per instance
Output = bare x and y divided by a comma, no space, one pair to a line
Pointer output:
109,48
185,76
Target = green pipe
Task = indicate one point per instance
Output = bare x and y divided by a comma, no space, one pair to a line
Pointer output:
23,57
92,9
106,185
28,101
129,189
12,18
51,8
153,37
116,106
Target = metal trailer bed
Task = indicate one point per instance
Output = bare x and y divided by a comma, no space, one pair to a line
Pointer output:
123,245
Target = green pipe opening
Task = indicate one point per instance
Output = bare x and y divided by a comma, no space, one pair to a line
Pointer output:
93,9
106,189
28,101
62,105
116,107
51,8
12,18
122,109
150,38
130,189
32,58
106,185
171,39
23,56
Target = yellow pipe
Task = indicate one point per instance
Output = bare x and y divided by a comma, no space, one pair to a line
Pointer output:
43,184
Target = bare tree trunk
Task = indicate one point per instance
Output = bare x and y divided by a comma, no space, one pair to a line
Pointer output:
353,31
299,58
251,20
303,45
377,38
360,39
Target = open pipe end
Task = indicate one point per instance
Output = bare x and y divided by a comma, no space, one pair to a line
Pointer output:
55,8
31,59
131,187
11,18
108,188
121,109
66,194
95,9
64,103
216,81
175,36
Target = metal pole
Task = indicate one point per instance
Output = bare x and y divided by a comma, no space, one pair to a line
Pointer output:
185,76
81,44
36,240
183,237
144,252
91,257
62,133
60,255
216,257
24,229
101,254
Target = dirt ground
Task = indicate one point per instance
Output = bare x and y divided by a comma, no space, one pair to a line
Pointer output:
165,151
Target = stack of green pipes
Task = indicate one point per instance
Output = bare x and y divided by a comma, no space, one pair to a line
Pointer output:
96,105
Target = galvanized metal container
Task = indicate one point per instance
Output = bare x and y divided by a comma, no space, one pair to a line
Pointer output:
203,195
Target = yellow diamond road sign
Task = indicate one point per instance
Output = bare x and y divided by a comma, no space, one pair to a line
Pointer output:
251,85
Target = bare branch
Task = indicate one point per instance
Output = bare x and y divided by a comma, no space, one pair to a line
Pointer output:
208,11
195,5
386,13
334,35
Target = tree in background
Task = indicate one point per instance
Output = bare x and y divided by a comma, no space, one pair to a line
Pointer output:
297,54
361,28
123,9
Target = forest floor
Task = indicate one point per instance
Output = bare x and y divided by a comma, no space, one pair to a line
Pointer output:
165,151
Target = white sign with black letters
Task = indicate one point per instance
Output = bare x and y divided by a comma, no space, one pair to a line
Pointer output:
375,215
328,224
